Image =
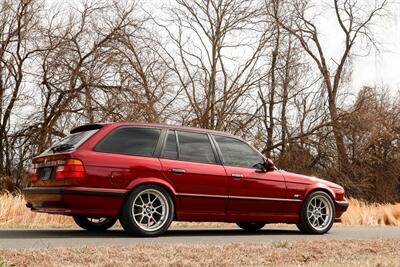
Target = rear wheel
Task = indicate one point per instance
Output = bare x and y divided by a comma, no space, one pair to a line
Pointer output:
94,224
148,211
251,226
317,214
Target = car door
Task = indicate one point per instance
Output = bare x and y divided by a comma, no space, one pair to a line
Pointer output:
191,164
252,191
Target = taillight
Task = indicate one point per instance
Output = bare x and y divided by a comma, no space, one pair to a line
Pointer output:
71,168
33,173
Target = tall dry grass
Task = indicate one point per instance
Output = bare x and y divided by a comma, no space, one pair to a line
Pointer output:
362,213
14,213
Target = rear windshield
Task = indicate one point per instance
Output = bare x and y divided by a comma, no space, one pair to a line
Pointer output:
70,142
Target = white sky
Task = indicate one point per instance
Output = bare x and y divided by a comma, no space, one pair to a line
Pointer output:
383,67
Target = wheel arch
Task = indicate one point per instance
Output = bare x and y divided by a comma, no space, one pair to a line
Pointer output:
324,189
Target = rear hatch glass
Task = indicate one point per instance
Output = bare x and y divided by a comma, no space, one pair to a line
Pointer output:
70,142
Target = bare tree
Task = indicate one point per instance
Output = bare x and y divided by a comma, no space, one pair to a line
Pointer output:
216,54
355,20
372,132
18,21
145,78
78,73
288,82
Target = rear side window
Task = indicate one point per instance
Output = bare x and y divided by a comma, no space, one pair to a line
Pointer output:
170,148
195,147
237,153
130,141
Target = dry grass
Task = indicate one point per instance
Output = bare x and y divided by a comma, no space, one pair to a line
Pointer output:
13,213
297,253
361,213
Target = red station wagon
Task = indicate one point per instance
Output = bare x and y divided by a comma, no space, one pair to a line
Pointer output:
147,175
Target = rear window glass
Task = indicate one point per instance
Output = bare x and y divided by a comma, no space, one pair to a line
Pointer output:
195,147
70,142
130,141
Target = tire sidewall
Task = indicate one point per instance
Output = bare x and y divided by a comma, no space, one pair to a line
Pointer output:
127,220
85,223
304,217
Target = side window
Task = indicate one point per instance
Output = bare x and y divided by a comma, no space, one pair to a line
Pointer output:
195,147
237,153
170,149
130,141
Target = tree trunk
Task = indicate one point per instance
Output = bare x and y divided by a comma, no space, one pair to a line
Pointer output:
343,159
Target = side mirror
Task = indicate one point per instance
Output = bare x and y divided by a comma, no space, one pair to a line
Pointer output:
269,165
260,167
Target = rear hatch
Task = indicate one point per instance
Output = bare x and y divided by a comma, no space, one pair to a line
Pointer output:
57,161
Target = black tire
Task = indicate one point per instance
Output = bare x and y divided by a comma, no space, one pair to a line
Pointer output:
94,224
251,226
304,224
133,225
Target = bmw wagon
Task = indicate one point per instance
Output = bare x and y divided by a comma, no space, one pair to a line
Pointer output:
148,175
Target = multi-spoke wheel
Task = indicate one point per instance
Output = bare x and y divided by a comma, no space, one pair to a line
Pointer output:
317,214
94,223
251,226
148,211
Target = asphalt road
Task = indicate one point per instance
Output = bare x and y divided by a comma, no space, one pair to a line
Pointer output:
50,238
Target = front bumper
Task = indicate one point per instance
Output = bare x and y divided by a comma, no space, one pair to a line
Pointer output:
340,208
342,204
75,200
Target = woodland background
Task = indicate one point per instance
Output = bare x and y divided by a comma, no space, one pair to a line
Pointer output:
254,68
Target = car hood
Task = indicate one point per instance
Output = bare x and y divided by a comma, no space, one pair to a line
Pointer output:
299,178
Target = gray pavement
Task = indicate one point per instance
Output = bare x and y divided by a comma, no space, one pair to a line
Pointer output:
50,238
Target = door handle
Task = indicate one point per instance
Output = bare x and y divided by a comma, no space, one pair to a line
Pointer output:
178,171
237,175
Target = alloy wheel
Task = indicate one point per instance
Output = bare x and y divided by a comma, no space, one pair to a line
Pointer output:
150,210
319,212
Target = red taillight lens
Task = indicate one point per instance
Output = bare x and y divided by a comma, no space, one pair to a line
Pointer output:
33,173
72,168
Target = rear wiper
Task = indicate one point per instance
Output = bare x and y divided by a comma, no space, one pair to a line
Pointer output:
61,147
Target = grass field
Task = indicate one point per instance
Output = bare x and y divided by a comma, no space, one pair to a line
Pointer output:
13,213
297,253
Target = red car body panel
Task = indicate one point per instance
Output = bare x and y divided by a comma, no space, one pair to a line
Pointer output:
201,189
268,186
203,192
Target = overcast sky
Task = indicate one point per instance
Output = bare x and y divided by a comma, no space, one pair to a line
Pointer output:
382,68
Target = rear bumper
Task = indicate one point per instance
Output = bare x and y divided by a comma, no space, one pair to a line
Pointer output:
75,200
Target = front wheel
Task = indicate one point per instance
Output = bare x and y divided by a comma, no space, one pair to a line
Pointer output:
148,211
94,224
251,226
317,214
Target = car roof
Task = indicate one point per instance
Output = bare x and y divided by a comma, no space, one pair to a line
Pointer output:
156,125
